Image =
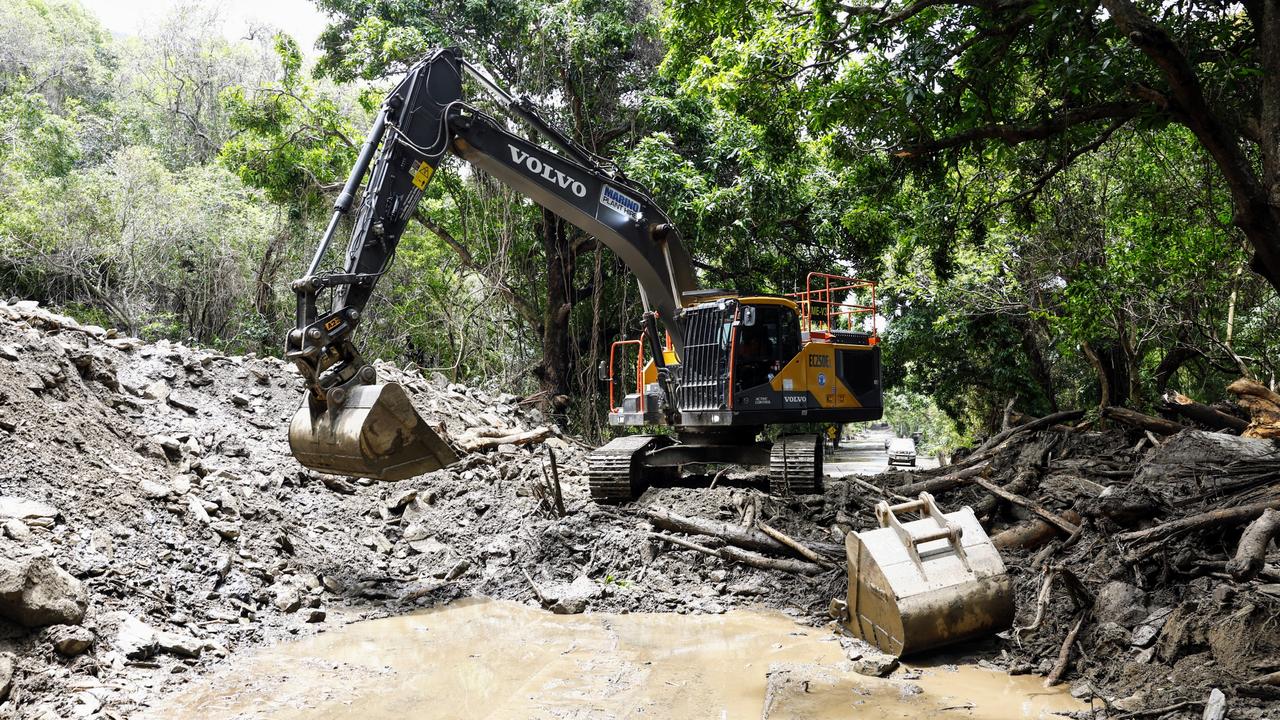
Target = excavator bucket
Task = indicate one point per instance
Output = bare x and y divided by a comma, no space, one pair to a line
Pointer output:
925,583
374,433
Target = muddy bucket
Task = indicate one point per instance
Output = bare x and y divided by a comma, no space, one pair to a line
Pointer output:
374,433
925,583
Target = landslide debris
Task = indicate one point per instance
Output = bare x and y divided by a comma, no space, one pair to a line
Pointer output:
157,478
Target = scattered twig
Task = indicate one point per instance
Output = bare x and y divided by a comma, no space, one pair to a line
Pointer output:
1064,654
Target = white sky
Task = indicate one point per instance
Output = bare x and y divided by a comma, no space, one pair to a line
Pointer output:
299,18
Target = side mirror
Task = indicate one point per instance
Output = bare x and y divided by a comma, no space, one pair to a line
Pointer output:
602,371
748,315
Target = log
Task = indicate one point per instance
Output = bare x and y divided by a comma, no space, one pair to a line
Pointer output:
1203,414
756,560
1032,533
743,537
1052,519
1263,405
942,484
476,444
1251,553
1000,438
1141,421
801,549
1214,518
746,557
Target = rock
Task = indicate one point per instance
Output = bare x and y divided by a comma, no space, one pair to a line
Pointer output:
6,675
170,445
35,591
153,490
179,644
1120,603
315,615
228,531
181,484
183,402
135,639
8,352
25,509
749,587
1081,691
288,599
17,530
70,640
396,503
239,399
873,663
570,598
158,390
1215,708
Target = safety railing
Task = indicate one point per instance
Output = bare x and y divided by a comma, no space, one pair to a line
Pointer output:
830,303
613,353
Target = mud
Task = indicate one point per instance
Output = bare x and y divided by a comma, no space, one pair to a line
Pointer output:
488,659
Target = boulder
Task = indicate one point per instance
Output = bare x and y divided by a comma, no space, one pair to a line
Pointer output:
570,598
1120,603
135,639
26,509
70,640
35,591
179,644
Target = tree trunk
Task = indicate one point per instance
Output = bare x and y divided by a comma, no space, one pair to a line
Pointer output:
556,372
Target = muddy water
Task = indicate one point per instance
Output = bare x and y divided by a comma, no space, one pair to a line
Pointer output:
487,659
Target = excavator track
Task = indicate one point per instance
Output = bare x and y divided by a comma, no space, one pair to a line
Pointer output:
795,465
615,471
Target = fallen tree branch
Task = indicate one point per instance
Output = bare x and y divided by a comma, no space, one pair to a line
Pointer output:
1263,406
748,538
756,560
1064,654
746,557
1066,527
1203,414
475,444
1031,534
1251,553
1213,518
941,484
1141,421
801,549
879,490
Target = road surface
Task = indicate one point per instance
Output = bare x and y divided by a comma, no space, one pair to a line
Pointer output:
865,455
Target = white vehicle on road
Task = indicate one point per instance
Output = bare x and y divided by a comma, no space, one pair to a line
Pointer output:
902,451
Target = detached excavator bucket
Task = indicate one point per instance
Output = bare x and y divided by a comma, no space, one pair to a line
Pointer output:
375,433
925,583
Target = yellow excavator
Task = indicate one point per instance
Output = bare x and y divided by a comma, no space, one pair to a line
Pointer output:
715,367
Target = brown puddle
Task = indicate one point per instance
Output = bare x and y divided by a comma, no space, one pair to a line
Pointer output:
493,659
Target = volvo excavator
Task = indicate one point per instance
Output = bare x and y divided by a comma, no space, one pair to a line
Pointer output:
716,368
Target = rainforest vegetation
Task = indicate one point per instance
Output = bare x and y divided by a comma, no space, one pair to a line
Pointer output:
1073,204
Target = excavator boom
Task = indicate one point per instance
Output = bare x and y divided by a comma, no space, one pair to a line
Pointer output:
347,424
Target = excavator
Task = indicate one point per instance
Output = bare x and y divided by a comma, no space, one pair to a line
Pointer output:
713,367
717,369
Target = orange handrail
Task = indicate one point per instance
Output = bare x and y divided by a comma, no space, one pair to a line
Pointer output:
823,301
613,349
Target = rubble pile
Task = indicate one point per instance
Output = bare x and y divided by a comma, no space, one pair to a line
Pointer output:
1142,594
154,525
154,522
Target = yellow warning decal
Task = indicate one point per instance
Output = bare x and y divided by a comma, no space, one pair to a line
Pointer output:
332,323
422,174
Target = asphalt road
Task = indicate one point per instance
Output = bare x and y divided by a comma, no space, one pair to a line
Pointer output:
865,455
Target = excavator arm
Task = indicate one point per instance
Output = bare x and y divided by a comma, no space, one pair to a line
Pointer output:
346,423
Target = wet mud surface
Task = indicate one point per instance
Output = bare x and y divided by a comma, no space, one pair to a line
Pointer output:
493,659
